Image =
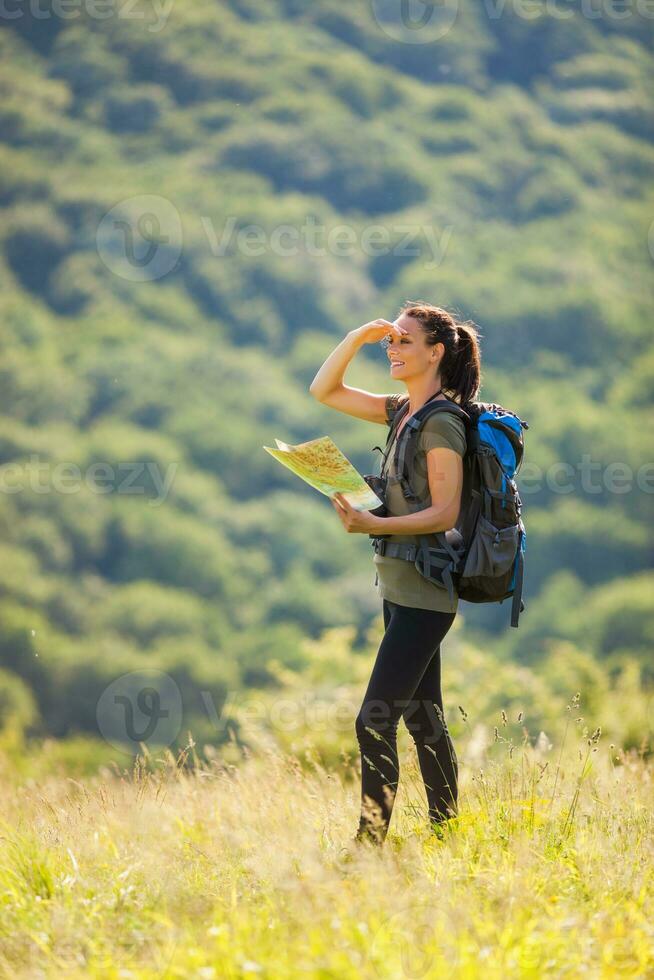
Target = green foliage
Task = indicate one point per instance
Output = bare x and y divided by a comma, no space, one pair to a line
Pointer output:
17,707
331,163
514,151
621,620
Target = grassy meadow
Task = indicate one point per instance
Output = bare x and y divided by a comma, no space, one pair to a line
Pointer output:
307,172
198,200
188,866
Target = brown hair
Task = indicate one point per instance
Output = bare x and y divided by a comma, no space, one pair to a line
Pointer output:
460,366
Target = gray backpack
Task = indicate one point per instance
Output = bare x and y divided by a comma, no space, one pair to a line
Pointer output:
482,557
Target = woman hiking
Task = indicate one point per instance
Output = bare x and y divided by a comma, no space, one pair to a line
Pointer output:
436,358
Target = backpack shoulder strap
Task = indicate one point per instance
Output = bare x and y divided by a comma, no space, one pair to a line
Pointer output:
431,408
405,449
396,408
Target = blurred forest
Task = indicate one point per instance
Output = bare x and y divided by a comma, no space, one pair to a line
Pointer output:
517,151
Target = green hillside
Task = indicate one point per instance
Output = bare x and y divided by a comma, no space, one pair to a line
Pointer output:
196,209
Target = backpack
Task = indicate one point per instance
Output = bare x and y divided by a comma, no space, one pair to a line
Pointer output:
483,556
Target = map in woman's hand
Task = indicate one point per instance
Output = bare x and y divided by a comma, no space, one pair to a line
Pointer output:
322,465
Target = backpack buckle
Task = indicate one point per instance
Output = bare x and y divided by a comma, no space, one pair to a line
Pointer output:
380,546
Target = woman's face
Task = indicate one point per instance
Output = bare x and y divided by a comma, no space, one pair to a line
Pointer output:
410,355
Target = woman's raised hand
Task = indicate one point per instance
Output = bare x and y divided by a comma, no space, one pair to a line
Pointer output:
376,330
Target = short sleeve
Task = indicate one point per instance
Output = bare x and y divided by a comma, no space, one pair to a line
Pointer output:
393,402
443,430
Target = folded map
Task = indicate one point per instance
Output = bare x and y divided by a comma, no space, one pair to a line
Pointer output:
322,465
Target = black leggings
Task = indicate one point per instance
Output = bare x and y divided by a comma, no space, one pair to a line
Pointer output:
406,683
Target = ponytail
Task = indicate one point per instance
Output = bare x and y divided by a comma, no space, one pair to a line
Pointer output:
460,366
464,374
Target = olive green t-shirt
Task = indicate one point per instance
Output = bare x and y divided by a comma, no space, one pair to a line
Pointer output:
397,579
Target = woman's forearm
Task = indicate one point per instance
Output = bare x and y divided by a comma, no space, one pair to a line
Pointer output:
427,521
330,375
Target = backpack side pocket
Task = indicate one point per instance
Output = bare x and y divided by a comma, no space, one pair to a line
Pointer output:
492,552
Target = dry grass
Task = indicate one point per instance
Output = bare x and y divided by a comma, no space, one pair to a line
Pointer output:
224,870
